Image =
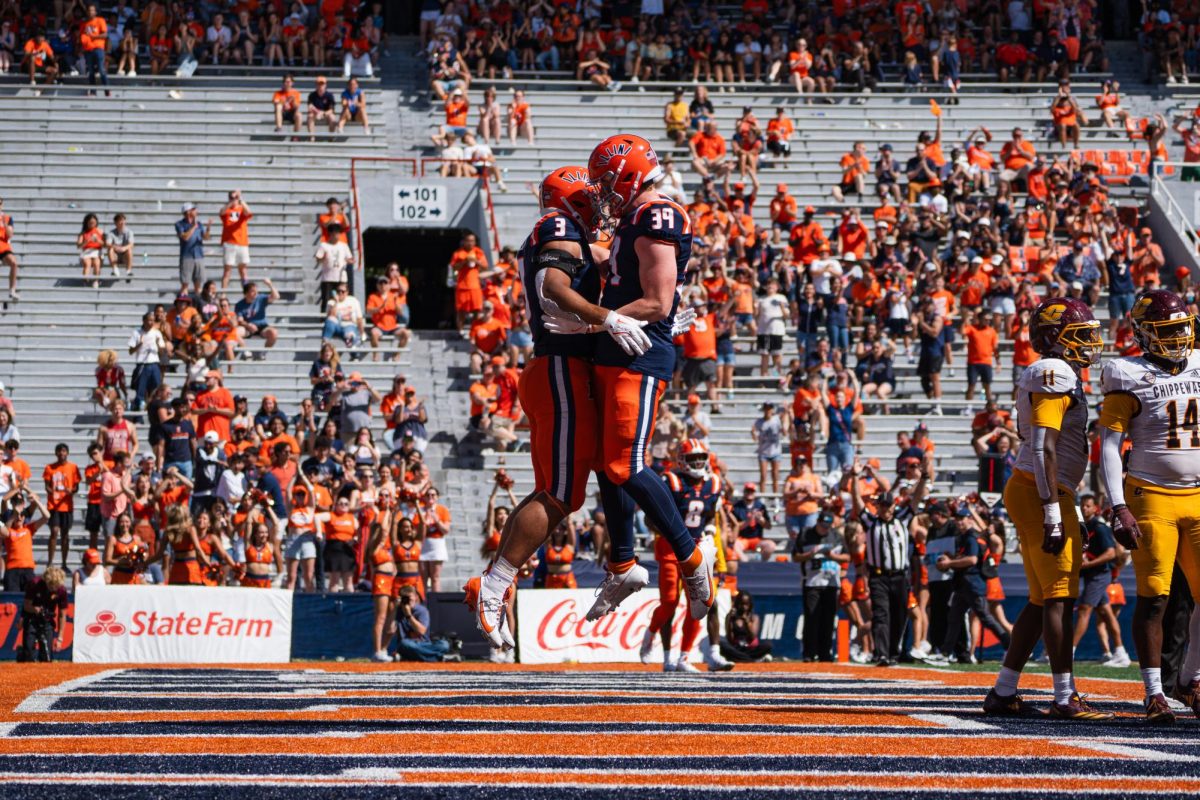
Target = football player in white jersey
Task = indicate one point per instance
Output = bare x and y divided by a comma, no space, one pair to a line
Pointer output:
1052,419
1154,401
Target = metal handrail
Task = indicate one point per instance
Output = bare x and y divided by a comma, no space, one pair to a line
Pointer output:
1174,214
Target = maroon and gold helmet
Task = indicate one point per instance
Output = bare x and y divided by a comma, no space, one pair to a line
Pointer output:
1063,327
1163,326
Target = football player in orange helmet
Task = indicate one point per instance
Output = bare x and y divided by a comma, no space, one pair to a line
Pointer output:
651,245
562,278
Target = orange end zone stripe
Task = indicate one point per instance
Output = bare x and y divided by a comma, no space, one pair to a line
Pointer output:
523,744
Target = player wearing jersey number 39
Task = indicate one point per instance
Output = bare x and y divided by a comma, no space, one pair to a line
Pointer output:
1040,500
1154,401
651,245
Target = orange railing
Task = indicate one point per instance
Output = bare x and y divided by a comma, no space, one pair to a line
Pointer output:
358,245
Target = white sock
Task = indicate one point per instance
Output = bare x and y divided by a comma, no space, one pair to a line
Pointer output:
1191,662
1063,687
1006,682
501,573
1152,677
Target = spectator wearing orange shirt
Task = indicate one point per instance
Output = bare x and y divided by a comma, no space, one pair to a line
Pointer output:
93,40
779,134
800,62
855,168
39,56
852,235
467,262
287,105
520,121
782,212
62,479
983,351
1067,118
807,238
700,354
709,152
235,237
488,335
457,108
1017,155
388,312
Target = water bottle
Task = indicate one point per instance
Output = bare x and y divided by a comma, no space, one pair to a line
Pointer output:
145,260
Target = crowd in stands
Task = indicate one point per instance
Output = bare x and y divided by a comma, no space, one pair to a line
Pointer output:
71,37
812,48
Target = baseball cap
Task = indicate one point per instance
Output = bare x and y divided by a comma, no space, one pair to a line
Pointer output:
977,260
849,256
963,511
739,184
985,222
497,361
212,437
1180,272
1077,285
457,90
890,241
186,207
825,518
962,234
356,376
885,146
693,398
961,257
809,210
91,556
147,455
4,388
782,187
997,259
750,487
930,266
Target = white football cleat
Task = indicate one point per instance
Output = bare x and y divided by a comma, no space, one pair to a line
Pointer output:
700,587
615,589
716,662
647,646
669,665
683,665
491,612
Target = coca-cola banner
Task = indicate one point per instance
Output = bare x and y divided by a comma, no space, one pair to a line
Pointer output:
552,629
182,624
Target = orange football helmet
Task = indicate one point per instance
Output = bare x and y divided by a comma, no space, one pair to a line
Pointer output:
568,189
620,168
694,455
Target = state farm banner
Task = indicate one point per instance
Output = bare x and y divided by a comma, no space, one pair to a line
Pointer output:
551,628
182,624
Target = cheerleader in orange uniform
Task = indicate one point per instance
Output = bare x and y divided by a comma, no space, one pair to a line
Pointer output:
383,580
260,556
187,560
496,516
210,545
560,553
126,553
857,598
918,609
407,552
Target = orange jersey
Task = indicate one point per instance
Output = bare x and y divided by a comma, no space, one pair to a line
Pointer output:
92,474
93,35
260,555
489,335
709,146
407,554
1016,156
38,52
289,99
325,220
456,112
560,555
700,341
780,128
233,225
981,343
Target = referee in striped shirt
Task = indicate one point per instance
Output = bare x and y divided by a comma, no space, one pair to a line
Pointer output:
886,562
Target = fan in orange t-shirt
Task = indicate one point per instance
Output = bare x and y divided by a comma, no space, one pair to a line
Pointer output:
489,336
235,237
287,105
982,351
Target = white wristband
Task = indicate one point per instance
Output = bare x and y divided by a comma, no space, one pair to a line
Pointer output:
1051,514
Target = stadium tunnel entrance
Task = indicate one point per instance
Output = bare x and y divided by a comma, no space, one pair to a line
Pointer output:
423,254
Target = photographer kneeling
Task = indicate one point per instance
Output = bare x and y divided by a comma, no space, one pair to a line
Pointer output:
412,622
43,616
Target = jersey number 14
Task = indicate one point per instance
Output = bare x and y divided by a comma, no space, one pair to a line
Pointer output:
1191,421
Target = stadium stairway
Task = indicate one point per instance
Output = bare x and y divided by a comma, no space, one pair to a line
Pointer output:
142,152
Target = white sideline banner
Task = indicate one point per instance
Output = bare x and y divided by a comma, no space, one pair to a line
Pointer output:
182,624
551,628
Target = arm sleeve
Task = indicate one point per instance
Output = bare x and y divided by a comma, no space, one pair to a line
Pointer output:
1111,468
1045,485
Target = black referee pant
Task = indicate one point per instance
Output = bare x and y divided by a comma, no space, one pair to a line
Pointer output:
889,611
820,621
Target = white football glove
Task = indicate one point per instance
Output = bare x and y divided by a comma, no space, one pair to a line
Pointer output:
627,333
685,318
564,325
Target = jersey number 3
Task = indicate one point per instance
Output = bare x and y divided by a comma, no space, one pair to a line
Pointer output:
1191,421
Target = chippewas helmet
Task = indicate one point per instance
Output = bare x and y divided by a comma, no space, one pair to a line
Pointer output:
1065,328
694,455
1162,325
567,189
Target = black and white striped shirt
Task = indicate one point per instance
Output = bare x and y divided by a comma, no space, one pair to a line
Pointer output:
887,542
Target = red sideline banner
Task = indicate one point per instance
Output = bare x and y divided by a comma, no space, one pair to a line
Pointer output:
182,624
552,630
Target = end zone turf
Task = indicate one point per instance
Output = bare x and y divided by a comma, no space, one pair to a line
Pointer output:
359,730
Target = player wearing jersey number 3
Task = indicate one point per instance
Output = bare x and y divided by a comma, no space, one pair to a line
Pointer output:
651,244
1154,401
558,267
1040,499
